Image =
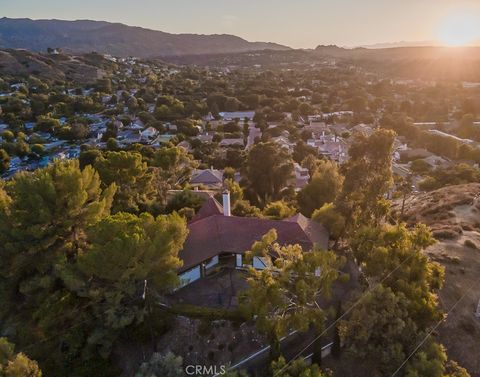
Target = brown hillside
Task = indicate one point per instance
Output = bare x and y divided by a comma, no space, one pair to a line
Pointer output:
82,69
453,213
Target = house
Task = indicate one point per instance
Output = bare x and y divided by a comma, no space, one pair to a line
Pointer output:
453,137
335,151
171,127
29,126
211,178
242,115
317,128
209,117
253,133
216,238
17,86
414,154
302,176
206,138
401,170
185,145
331,146
438,162
232,142
284,142
129,137
162,139
363,129
344,113
137,125
148,133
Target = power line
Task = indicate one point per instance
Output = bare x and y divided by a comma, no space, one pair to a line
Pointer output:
422,342
345,313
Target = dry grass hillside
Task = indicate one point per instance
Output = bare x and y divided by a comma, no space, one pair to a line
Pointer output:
82,69
453,213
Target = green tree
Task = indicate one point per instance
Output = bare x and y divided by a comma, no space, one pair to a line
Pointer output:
78,131
380,331
420,166
176,165
125,253
380,250
22,366
243,208
21,148
47,124
324,187
331,219
297,368
278,210
38,149
236,192
429,361
159,365
112,144
368,177
134,180
88,157
267,170
4,161
8,135
16,365
43,220
284,295
311,163
302,151
184,199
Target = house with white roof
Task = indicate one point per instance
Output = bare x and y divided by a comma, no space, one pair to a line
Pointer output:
232,115
149,133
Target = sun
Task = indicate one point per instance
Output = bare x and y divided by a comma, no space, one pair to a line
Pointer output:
459,28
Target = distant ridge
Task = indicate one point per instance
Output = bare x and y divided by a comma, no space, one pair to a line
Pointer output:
117,39
402,44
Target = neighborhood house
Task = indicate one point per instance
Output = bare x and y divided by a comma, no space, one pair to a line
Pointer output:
217,238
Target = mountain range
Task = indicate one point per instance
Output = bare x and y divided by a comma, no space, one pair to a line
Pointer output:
117,39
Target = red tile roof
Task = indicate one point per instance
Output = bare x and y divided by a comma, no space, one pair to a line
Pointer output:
209,208
217,234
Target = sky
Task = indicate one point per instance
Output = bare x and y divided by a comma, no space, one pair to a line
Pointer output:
296,23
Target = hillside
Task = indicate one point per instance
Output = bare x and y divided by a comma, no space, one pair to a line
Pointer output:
453,213
117,39
86,69
427,62
424,63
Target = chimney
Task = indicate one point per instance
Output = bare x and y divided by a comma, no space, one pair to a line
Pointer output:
226,203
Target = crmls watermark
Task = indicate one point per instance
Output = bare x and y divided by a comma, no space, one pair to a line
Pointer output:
203,370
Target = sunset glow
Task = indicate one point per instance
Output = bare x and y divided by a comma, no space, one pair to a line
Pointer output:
459,28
